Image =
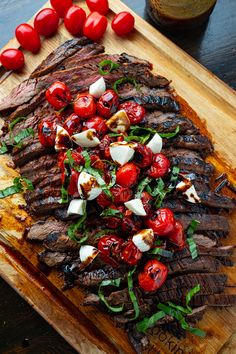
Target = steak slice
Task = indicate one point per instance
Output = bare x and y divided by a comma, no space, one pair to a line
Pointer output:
57,241
207,222
54,259
189,164
40,230
45,206
214,200
33,167
42,193
95,277
31,152
219,300
181,206
202,264
199,143
204,241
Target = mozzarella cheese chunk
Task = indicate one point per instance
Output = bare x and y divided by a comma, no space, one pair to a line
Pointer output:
98,88
136,206
87,138
144,240
77,206
62,140
155,144
119,122
88,186
87,254
188,190
122,152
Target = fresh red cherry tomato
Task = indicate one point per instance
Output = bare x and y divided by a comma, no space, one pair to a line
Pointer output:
28,37
134,111
73,185
131,224
73,124
97,123
74,20
110,249
153,275
108,104
46,22
85,105
127,175
161,221
121,194
176,236
47,132
123,23
61,6
100,6
58,95
12,59
147,201
160,166
104,150
113,222
76,156
143,156
95,26
130,253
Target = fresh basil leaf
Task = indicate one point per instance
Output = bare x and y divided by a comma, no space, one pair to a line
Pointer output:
13,123
192,228
105,232
113,178
29,184
113,282
137,130
3,148
173,178
17,187
170,135
64,195
141,186
23,134
125,80
179,308
132,295
192,293
74,228
196,331
87,159
150,322
112,212
71,162
190,240
161,252
107,66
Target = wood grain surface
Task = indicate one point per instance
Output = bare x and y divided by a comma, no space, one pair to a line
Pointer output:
13,343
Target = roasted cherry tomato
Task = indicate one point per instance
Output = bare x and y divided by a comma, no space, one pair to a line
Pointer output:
113,222
28,37
74,20
110,249
95,26
12,59
134,111
131,224
153,275
47,132
127,175
58,95
108,104
103,200
130,253
85,105
104,147
121,194
159,167
147,201
176,236
161,221
61,6
73,185
96,162
123,23
143,156
97,123
46,22
100,6
73,124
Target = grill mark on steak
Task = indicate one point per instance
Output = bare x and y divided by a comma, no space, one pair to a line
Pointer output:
33,167
31,152
95,277
57,241
204,241
42,193
200,143
207,222
189,265
187,164
214,200
45,206
40,230
181,206
54,259
214,300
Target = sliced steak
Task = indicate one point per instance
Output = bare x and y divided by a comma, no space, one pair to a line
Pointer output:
181,206
45,206
54,259
214,200
207,222
35,166
202,264
189,164
31,152
40,230
218,300
95,277
204,241
59,242
199,143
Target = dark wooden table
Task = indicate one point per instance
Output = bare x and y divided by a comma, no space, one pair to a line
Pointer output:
22,330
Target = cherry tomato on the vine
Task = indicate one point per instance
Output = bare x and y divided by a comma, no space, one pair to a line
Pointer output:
159,167
97,123
85,105
47,132
58,95
161,221
110,249
143,156
73,124
176,236
153,275
108,104
127,175
61,6
12,59
130,253
123,23
100,6
28,37
134,111
46,22
74,20
95,26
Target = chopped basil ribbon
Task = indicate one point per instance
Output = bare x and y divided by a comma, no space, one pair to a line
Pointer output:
125,80
113,178
13,123
189,233
87,159
23,134
190,295
3,148
112,212
150,322
170,135
107,66
141,186
132,295
105,232
173,178
19,185
161,252
92,171
113,282
74,228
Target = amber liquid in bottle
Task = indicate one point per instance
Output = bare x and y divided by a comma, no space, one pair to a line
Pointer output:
179,14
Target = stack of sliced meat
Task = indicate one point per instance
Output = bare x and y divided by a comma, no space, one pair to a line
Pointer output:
76,64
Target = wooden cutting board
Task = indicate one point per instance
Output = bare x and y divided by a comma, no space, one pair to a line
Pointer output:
87,329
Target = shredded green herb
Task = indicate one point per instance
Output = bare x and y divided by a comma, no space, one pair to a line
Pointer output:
23,134
95,173
74,228
3,148
105,232
19,185
87,159
125,80
150,322
190,240
190,295
132,295
141,186
112,212
107,66
13,123
170,135
161,252
114,282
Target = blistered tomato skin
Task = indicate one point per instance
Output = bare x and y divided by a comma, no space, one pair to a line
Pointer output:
46,22
130,253
160,166
108,104
123,23
97,123
73,124
134,111
74,20
47,132
153,275
28,37
121,194
100,6
95,26
143,156
85,105
161,221
12,59
147,200
176,236
73,185
61,6
110,248
127,175
113,222
58,95
131,224
103,200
